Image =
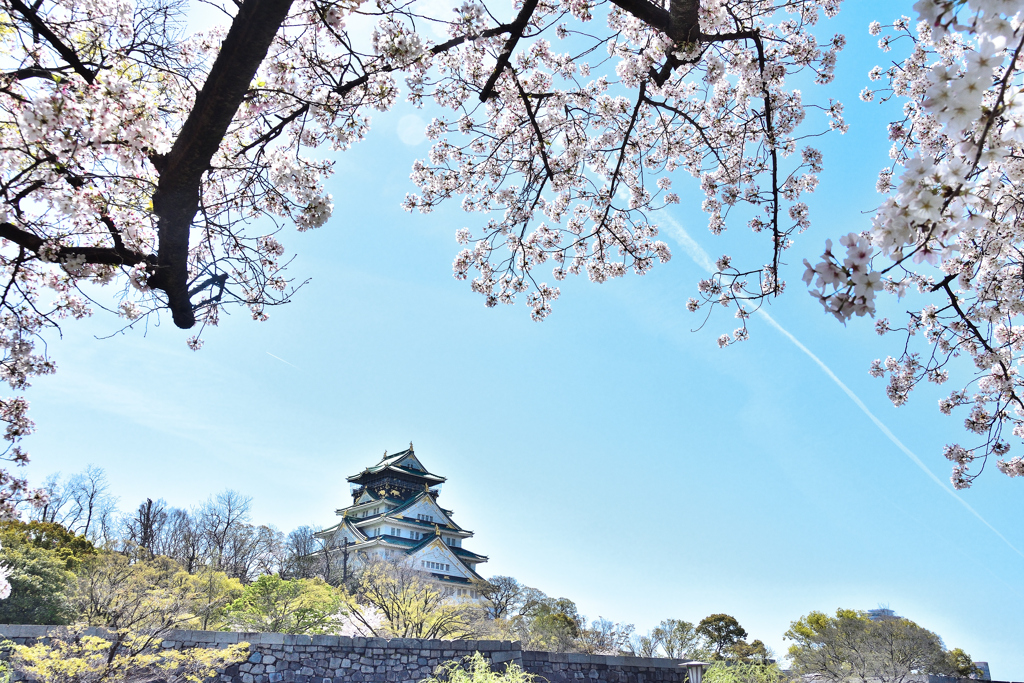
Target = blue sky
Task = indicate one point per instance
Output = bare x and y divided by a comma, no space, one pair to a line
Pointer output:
611,454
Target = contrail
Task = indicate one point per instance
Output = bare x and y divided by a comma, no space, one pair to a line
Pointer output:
284,361
702,259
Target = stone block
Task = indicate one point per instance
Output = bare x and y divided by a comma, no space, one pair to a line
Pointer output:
247,678
225,638
256,657
168,644
276,678
257,669
346,663
306,671
326,641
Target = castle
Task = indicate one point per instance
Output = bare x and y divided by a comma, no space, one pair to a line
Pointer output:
394,514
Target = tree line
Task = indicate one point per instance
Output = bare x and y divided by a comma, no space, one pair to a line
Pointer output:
80,560
218,533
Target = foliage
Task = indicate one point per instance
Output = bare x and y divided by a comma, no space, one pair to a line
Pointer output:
679,639
41,585
604,637
960,664
552,624
476,669
739,672
409,604
74,657
219,533
214,593
755,652
852,646
721,632
503,595
273,604
71,548
155,595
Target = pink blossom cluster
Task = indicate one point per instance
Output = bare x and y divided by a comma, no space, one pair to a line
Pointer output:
951,225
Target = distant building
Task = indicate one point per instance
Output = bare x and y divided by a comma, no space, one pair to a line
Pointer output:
394,514
882,613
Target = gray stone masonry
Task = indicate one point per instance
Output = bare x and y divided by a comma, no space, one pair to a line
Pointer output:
280,658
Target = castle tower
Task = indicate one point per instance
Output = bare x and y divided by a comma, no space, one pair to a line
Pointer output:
395,514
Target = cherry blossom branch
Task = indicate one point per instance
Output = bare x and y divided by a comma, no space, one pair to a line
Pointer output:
66,53
176,199
516,30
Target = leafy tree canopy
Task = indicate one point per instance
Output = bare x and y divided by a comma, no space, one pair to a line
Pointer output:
71,548
721,631
273,604
41,585
850,645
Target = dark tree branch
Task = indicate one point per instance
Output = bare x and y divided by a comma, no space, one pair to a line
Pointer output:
176,200
651,14
66,53
516,30
118,256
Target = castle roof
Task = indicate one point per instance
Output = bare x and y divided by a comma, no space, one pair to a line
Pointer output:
403,463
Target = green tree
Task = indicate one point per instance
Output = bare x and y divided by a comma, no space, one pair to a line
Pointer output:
751,653
214,593
852,646
146,595
73,549
42,557
743,672
961,665
552,624
73,657
679,639
476,669
41,586
273,604
393,599
721,632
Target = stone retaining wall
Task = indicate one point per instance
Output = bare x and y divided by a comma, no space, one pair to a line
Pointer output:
280,658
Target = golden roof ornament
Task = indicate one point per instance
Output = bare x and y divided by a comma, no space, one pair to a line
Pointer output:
410,445
437,530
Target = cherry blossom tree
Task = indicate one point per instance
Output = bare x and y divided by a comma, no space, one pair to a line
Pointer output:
951,224
142,170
